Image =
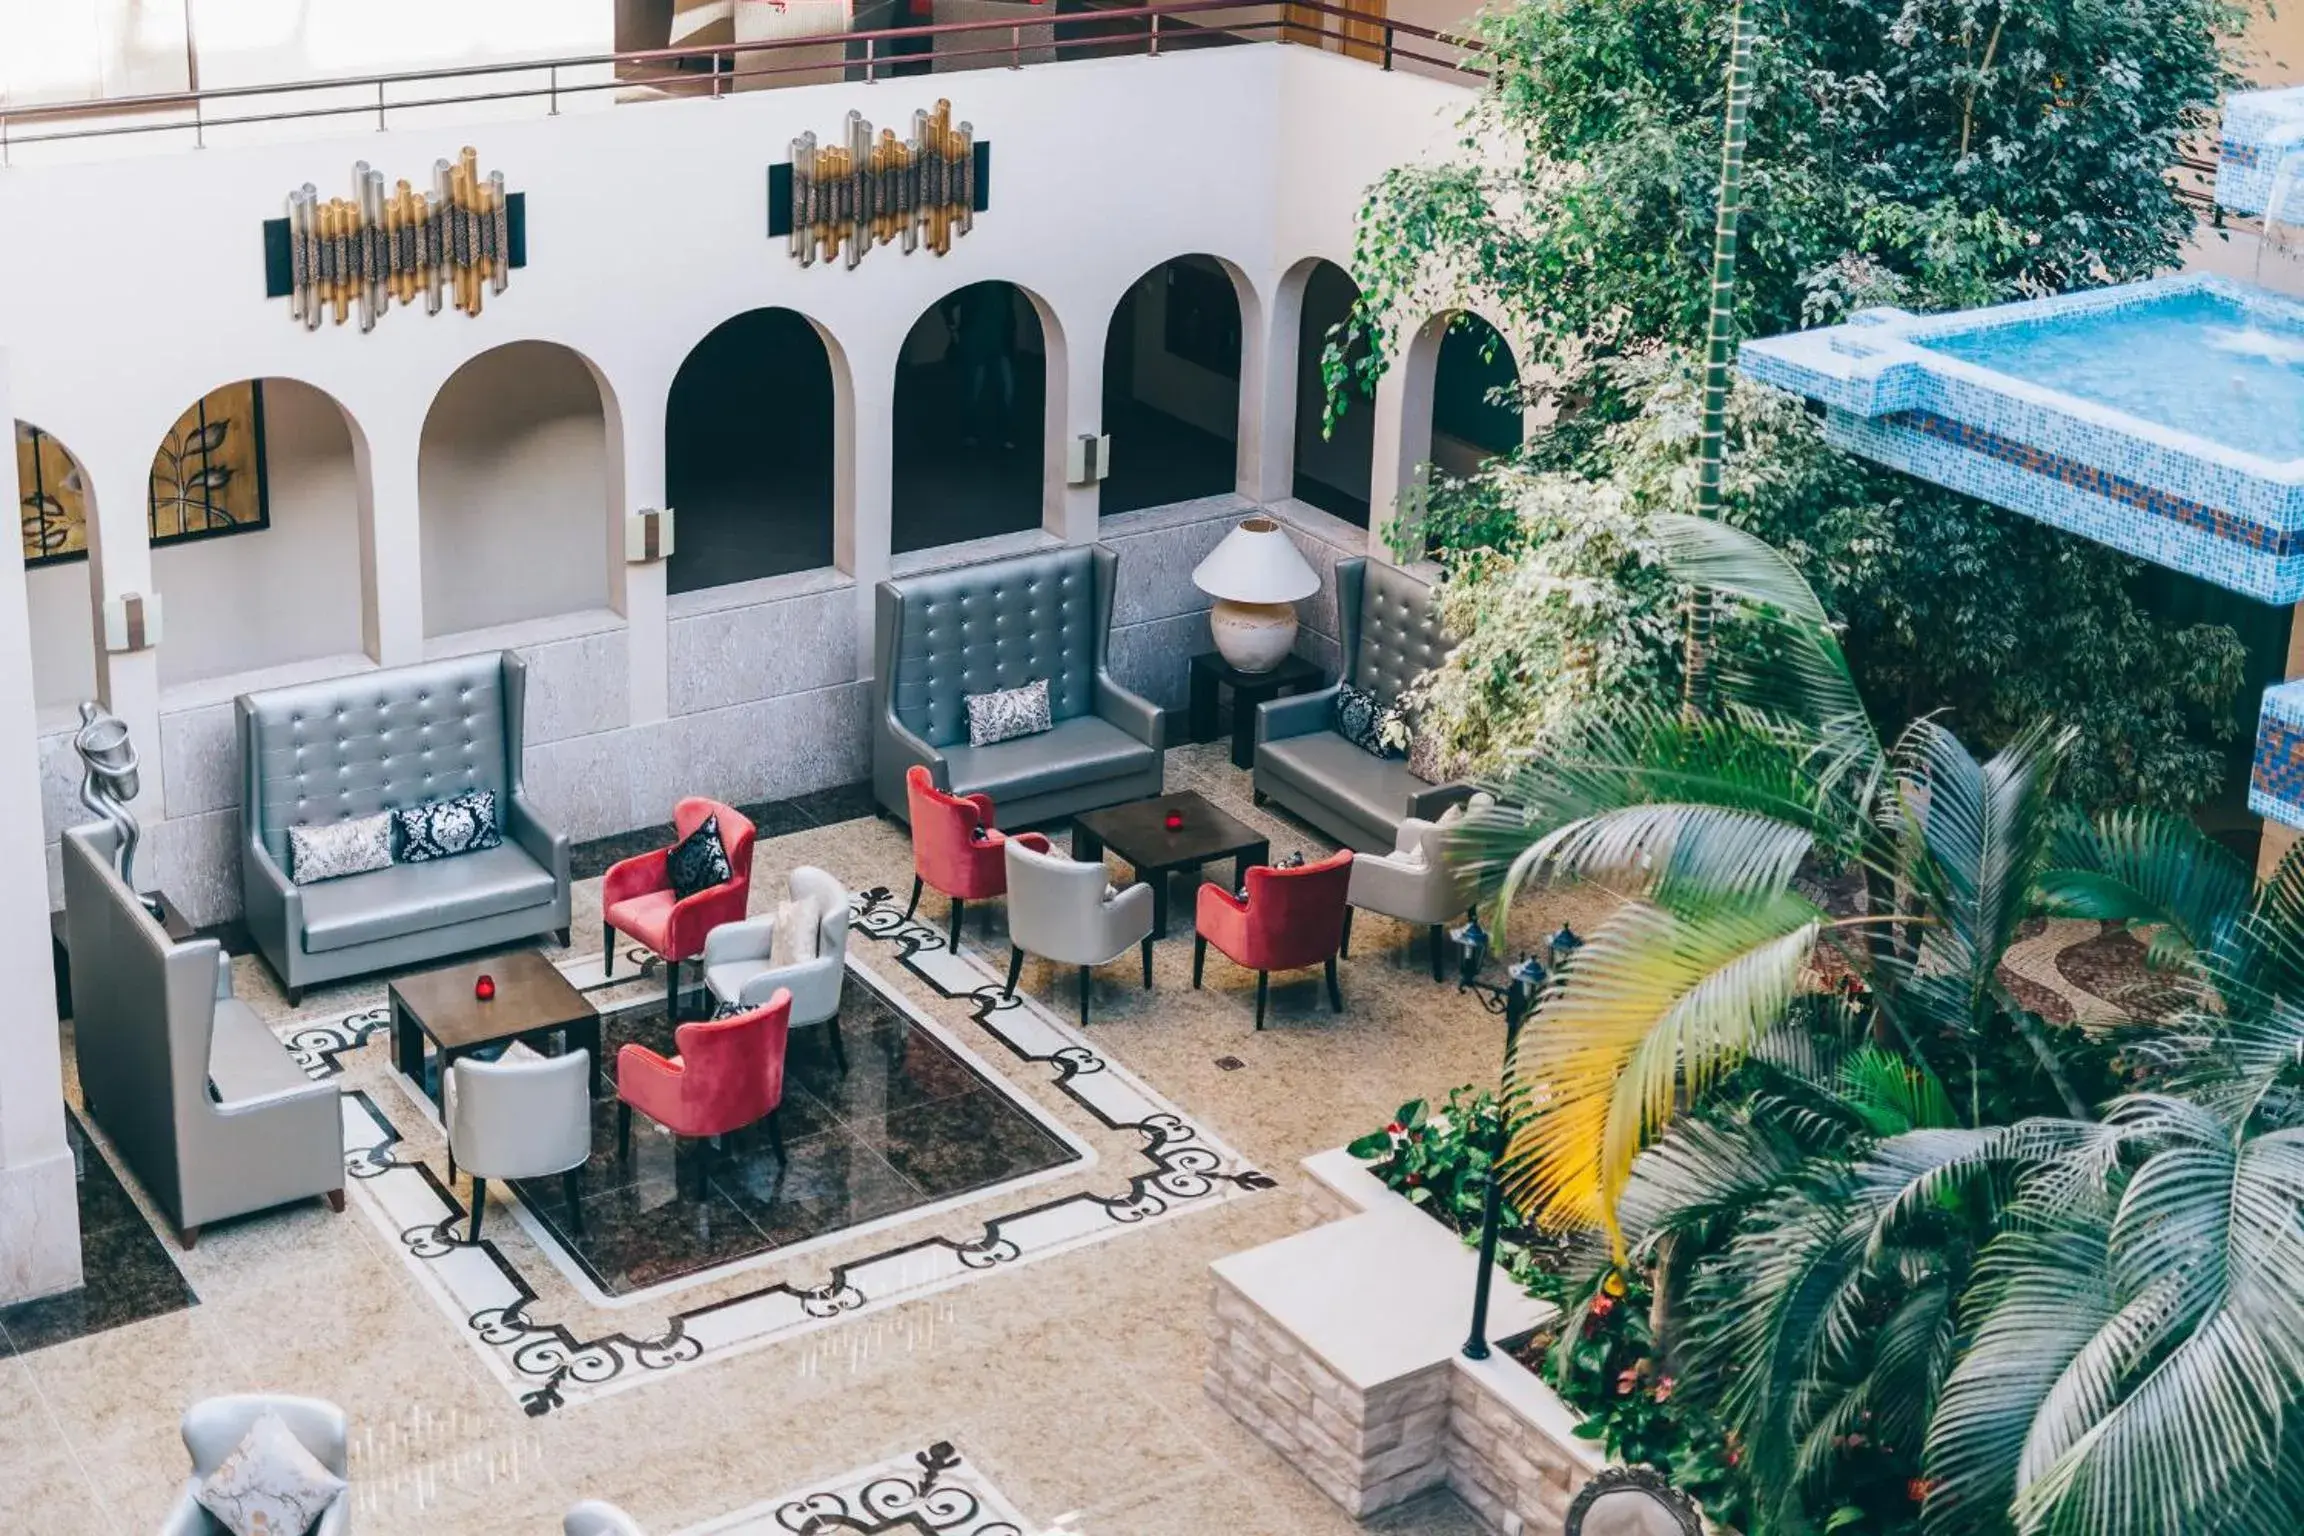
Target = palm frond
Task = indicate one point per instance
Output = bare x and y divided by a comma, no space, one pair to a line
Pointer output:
2149,869
1657,1003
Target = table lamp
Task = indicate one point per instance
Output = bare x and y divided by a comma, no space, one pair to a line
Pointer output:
1256,575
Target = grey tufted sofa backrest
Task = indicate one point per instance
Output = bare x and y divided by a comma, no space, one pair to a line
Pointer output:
353,746
1000,624
1391,626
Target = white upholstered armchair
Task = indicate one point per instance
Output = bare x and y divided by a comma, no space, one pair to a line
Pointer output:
1068,912
213,1430
742,968
1413,882
594,1517
522,1116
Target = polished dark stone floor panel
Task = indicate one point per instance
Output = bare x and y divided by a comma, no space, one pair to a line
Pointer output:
907,1124
125,1265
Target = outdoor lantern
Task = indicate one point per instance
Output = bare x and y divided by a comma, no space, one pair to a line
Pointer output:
1256,575
1562,945
1471,949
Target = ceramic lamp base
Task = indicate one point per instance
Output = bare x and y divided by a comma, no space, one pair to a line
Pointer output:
1254,637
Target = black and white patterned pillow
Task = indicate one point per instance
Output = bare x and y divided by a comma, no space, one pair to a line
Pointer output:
1364,720
1009,713
330,850
699,862
462,823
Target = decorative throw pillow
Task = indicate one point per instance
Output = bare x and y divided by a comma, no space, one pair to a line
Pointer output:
270,1485
1425,758
329,850
1366,721
1008,714
699,863
442,829
797,926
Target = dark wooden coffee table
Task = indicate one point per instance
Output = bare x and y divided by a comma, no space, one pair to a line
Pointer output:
1139,834
533,1002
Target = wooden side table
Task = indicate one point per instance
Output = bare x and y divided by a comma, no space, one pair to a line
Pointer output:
1211,672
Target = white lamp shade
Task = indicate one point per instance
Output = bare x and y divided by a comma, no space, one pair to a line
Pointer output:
1257,563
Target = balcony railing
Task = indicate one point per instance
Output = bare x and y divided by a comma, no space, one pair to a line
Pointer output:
867,55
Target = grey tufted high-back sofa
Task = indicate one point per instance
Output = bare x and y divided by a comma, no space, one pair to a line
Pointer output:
1002,624
389,740
1391,637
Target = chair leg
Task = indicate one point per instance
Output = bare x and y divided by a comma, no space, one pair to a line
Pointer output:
562,937
1335,993
1263,991
1199,958
451,1164
1146,947
1084,986
188,1237
479,1208
671,991
958,907
839,1050
607,951
336,1201
1344,945
776,1132
295,998
1439,943
1015,967
572,1196
913,905
623,1129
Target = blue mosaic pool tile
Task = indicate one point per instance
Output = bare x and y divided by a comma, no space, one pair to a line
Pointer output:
2197,506
2260,129
2276,778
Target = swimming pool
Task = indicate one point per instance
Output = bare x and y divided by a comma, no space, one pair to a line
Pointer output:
2164,418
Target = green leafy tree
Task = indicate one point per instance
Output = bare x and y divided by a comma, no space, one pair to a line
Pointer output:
1926,153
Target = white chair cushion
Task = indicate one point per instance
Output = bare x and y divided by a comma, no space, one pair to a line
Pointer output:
799,926
270,1485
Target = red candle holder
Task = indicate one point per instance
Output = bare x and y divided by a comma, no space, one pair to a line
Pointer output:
485,988
1175,821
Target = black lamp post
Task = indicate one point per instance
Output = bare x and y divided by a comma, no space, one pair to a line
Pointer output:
1512,998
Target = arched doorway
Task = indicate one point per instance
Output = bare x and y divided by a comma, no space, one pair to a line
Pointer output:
1172,386
970,430
253,511
1476,408
1332,467
748,452
512,481
57,516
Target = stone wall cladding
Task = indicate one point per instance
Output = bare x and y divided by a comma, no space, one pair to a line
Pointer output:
1503,1466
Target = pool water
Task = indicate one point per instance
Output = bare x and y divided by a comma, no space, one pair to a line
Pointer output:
2197,362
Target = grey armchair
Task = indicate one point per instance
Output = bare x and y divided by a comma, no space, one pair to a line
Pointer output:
1413,882
213,1428
205,1104
388,741
594,1517
1068,912
741,966
1001,624
1391,637
522,1116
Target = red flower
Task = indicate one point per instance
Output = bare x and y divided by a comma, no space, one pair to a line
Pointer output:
1919,1488
1394,1129
1602,1305
1415,1179
1663,1390
1627,1380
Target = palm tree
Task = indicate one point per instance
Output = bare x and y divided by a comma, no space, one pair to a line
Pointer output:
1898,1221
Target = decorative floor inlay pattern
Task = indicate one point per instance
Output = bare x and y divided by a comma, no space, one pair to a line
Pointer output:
936,1491
549,1364
126,1274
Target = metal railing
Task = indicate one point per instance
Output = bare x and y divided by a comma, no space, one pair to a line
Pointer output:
1165,26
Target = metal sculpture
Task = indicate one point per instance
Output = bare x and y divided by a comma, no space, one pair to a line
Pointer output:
375,247
110,782
869,192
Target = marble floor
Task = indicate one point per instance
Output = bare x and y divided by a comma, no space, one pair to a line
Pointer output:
1066,1375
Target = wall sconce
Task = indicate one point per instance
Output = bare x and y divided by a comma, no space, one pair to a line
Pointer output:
131,621
647,535
1088,459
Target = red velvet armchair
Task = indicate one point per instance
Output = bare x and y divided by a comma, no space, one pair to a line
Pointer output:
1293,918
729,1074
955,848
636,897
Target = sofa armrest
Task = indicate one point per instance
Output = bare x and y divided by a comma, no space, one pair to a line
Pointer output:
752,939
1429,803
275,905
1133,713
1299,714
324,1090
911,748
536,838
811,983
